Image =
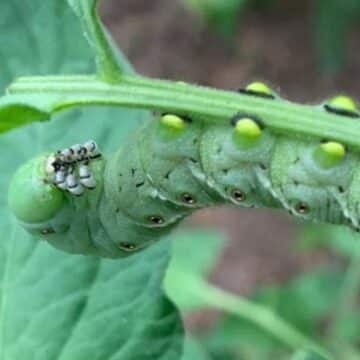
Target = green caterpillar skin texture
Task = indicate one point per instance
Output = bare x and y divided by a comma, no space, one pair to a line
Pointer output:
172,167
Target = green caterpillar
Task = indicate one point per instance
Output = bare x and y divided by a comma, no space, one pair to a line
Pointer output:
83,203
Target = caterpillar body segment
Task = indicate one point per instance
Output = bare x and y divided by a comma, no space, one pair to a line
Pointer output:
171,162
131,192
175,165
233,171
305,189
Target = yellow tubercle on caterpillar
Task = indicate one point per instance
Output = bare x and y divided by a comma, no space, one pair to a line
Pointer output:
249,128
173,122
343,105
258,88
329,154
171,126
247,132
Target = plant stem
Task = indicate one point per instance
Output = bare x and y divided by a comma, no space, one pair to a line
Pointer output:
257,314
109,65
349,294
52,94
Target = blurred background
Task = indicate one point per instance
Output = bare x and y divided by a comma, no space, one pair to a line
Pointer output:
308,51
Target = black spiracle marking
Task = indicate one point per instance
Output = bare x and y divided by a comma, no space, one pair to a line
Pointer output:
238,195
47,231
302,208
342,112
188,198
128,246
156,219
255,93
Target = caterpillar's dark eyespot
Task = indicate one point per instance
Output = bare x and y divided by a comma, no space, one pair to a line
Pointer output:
258,89
238,195
302,208
47,231
188,198
342,105
156,219
128,246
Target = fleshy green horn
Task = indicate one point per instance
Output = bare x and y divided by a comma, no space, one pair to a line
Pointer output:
30,198
258,88
343,105
329,154
247,132
173,122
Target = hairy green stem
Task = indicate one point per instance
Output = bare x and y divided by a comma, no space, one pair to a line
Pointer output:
257,314
109,66
52,94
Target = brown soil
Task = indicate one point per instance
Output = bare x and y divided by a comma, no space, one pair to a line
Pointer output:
163,40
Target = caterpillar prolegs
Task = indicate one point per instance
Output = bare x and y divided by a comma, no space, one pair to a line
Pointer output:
175,165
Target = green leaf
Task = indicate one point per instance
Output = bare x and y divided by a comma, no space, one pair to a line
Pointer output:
339,239
195,254
307,355
196,251
303,303
238,336
306,300
27,49
17,111
348,327
55,305
193,350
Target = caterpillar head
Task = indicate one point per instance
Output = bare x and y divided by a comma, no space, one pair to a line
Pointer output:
42,208
31,198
